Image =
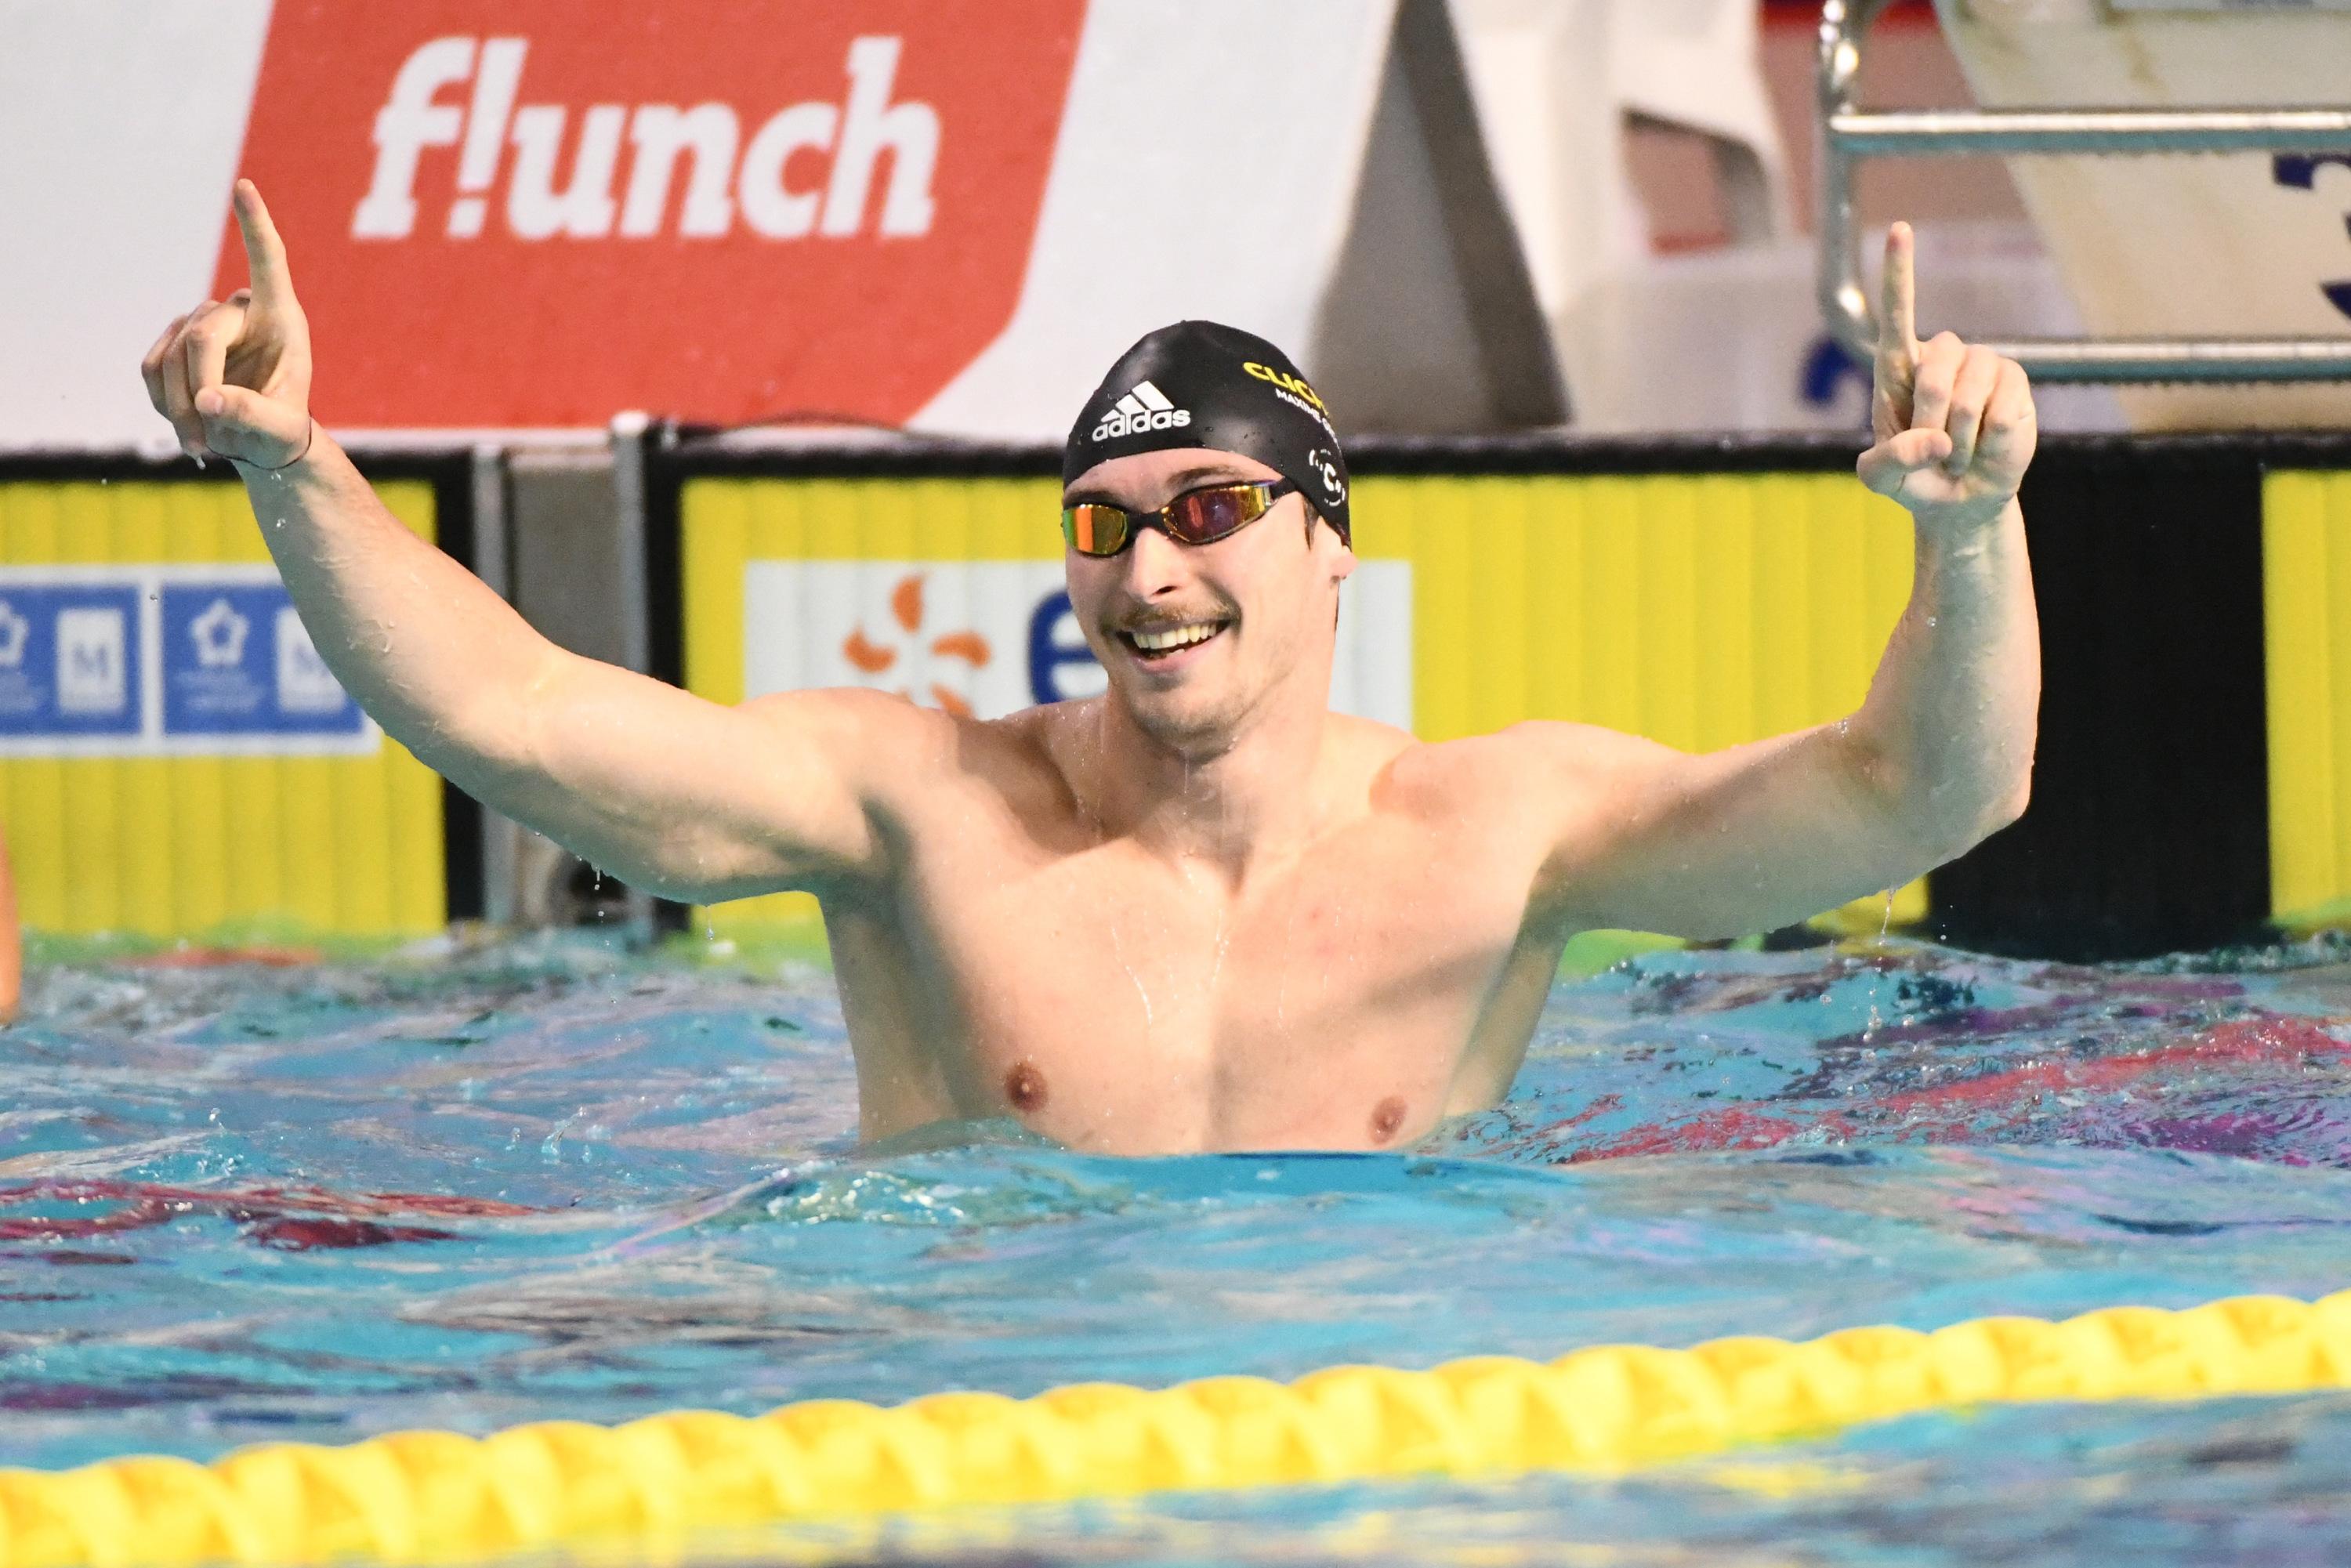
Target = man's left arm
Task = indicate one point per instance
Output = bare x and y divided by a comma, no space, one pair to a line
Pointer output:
1937,756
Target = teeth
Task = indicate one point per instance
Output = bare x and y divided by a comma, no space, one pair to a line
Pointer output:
1177,637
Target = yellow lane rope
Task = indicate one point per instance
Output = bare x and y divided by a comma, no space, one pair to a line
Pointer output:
646,1487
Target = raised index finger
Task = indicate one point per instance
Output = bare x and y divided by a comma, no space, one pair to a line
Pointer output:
265,253
1898,316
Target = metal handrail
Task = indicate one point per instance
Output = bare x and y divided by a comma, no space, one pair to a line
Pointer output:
1849,134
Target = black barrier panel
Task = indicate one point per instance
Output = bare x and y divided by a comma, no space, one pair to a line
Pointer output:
2149,829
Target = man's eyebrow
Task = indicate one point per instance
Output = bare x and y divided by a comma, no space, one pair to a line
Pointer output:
1183,477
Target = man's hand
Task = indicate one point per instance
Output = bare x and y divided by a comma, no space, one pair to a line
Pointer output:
233,375
1954,426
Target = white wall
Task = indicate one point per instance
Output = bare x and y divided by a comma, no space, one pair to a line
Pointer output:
122,119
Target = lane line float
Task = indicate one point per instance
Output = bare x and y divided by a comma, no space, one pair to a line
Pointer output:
651,1484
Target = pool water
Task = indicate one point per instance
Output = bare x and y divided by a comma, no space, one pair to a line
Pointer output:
551,1178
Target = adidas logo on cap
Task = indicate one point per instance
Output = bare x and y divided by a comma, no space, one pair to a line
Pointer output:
1144,408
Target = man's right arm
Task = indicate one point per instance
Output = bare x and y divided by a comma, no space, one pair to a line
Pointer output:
664,790
668,791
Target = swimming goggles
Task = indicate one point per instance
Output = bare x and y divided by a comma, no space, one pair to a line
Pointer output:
1195,517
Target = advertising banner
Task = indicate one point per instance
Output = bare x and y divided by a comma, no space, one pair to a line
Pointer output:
989,638
176,761
157,660
516,212
511,218
959,605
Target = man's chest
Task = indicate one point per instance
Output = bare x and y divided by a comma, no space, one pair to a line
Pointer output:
1110,999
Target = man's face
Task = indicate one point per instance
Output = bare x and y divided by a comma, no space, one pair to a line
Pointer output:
1241,612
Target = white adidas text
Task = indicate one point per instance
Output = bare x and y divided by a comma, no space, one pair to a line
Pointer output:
1144,408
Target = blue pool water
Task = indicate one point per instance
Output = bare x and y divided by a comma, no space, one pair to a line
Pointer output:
551,1179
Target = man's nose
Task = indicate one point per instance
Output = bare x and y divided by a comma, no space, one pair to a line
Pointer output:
1155,564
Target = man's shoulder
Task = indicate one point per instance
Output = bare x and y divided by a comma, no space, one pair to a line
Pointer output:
1542,755
850,719
910,760
1016,757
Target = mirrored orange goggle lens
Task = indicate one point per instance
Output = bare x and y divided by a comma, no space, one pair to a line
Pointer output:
1094,530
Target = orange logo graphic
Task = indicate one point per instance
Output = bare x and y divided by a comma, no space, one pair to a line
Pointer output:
907,609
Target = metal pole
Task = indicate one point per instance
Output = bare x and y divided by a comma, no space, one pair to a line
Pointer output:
493,564
636,632
628,536
1951,133
2262,360
1845,305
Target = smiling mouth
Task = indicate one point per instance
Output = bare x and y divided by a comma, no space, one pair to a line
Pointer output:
1153,643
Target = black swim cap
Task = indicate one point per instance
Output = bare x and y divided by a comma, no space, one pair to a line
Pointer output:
1198,384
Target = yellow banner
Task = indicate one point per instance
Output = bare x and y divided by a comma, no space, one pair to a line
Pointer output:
2306,627
174,760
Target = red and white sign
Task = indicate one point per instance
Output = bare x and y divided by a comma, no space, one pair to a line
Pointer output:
529,212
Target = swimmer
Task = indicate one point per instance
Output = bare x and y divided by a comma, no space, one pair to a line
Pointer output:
1201,911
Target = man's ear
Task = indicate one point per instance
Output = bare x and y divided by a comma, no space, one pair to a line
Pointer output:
1341,554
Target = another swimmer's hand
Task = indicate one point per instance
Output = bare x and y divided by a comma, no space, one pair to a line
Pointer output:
1954,426
233,375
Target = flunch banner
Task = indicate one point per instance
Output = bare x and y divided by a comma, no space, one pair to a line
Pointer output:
515,216
523,213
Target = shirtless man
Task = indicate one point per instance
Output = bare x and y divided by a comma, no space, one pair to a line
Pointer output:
1201,911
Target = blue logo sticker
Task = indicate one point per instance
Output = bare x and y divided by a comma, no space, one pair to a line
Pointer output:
237,662
69,660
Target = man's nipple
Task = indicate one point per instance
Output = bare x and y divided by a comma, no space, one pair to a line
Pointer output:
1386,1117
1024,1086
